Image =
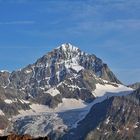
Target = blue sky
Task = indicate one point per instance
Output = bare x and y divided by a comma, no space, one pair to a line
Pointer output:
108,28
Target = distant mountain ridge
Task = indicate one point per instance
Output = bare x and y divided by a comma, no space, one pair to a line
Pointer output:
135,85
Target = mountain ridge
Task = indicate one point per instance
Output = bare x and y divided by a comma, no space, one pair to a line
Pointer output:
60,87
54,67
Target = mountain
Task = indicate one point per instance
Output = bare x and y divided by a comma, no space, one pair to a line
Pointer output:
51,96
135,85
54,73
113,119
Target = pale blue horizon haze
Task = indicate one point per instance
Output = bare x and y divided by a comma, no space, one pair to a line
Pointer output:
110,29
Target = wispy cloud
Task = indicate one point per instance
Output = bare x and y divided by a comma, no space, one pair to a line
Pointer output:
14,1
130,75
25,22
101,27
97,15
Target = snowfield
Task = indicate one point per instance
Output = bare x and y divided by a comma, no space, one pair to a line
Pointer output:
41,120
101,90
67,104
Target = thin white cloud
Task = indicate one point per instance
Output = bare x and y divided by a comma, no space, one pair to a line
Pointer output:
130,75
14,1
93,26
93,15
17,22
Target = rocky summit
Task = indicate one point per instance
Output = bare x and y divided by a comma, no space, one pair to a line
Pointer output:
64,93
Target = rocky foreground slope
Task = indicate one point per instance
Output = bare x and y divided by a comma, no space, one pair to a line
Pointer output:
22,137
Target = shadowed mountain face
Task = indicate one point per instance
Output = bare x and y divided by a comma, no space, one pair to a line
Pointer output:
135,85
113,119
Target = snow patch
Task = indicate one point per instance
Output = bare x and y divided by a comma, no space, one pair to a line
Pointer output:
101,90
4,71
73,64
24,101
68,46
67,104
8,101
28,71
76,67
107,120
72,87
98,128
127,128
1,113
136,125
70,104
1,131
53,92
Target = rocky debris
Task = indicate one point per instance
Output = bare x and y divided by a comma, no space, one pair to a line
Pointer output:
3,122
22,137
4,78
135,85
10,101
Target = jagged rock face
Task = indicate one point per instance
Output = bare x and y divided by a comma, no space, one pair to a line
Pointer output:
62,63
4,75
10,104
3,122
10,101
135,85
114,119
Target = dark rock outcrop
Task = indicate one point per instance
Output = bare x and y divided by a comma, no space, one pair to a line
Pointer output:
135,85
22,137
3,122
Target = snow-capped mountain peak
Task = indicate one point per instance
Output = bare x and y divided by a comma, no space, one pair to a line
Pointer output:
68,47
60,65
57,91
